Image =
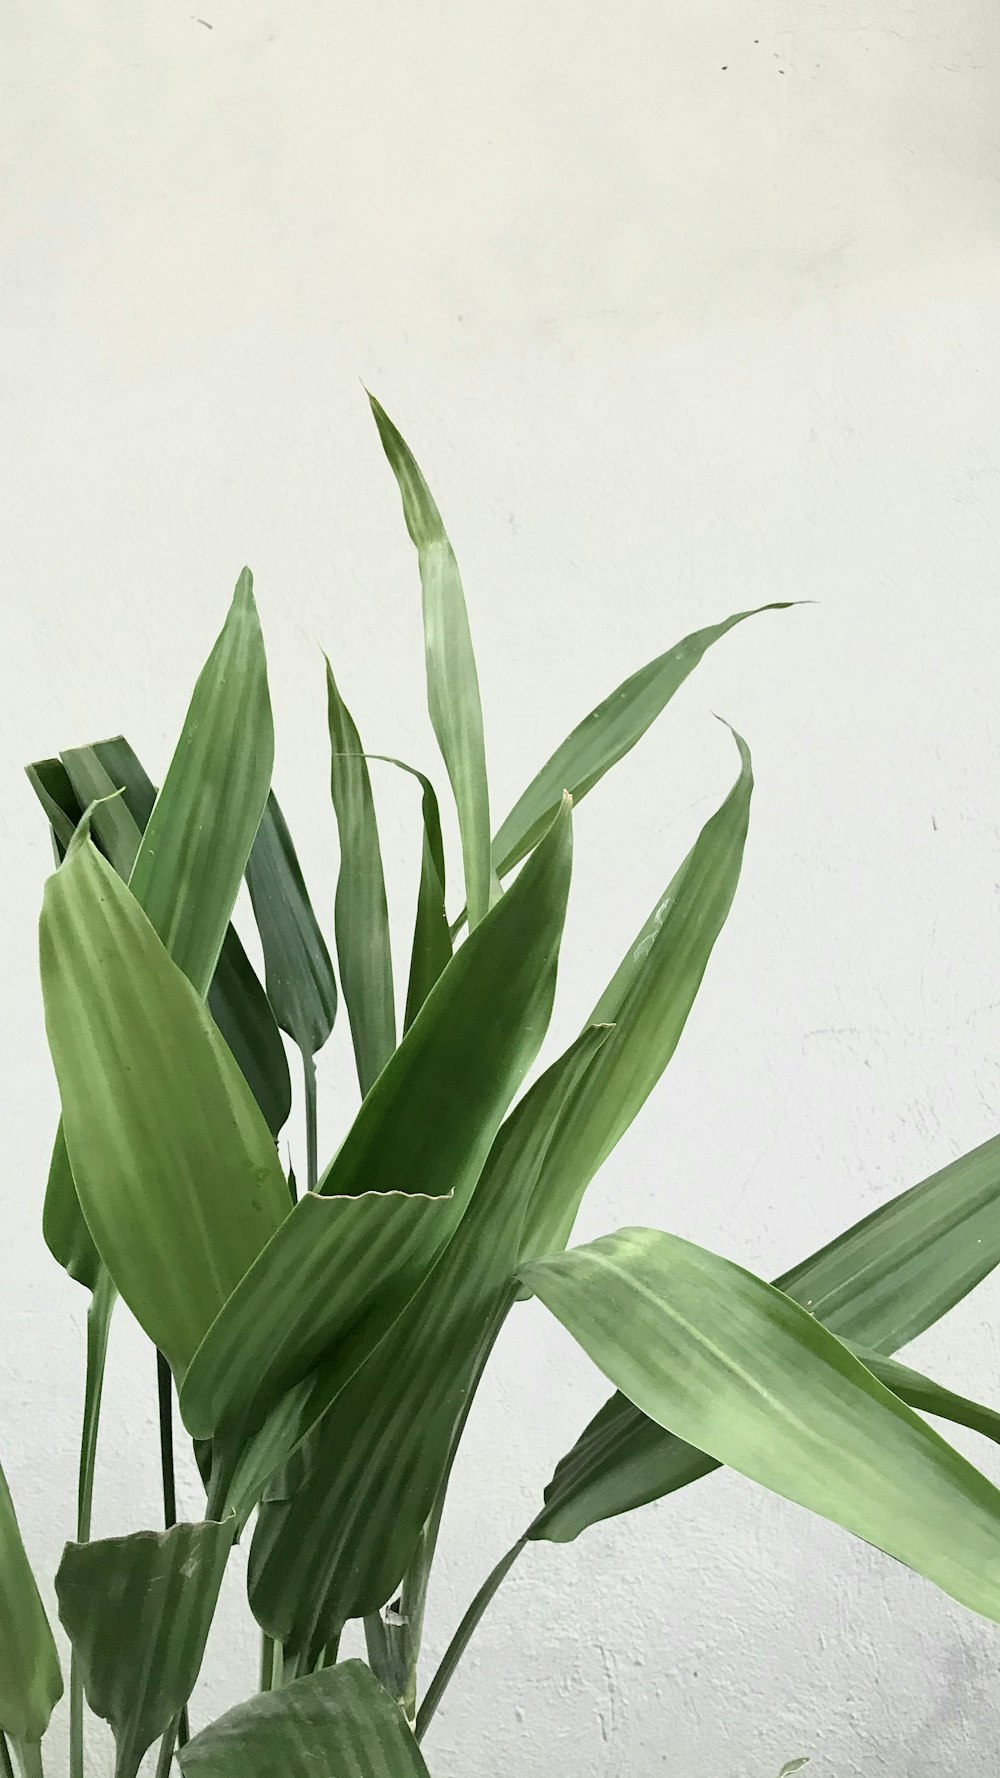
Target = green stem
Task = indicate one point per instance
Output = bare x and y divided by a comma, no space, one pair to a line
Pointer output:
28,1755
167,1746
270,1663
463,1636
102,1303
312,1143
165,1403
6,1768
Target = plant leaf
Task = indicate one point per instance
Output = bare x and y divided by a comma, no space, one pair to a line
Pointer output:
452,680
300,981
605,736
882,1282
431,952
173,1163
337,1723
50,782
337,1546
138,1610
362,916
430,1118
740,1370
656,989
30,1681
928,1397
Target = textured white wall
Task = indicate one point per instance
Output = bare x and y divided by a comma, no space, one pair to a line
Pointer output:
683,308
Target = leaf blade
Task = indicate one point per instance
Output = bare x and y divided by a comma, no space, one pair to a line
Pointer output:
301,986
30,1680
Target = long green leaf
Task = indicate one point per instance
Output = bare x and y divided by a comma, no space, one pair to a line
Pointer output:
338,1723
429,1121
50,782
605,736
30,1681
300,981
655,990
173,1163
452,681
361,915
431,950
138,1610
338,1546
929,1397
880,1283
738,1369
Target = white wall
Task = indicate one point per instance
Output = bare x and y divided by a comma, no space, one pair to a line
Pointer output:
683,308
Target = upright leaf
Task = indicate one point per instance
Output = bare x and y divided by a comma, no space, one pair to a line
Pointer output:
173,1162
50,782
431,950
741,1371
138,1610
361,916
882,1283
337,1723
338,1545
428,1122
452,680
30,1680
300,982
654,991
604,737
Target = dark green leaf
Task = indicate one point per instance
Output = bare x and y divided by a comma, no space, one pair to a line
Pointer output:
300,981
173,1163
30,1680
338,1723
138,1610
50,782
370,1472
656,988
604,737
361,917
928,1397
452,681
739,1370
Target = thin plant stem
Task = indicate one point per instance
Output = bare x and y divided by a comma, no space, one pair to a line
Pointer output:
270,1662
312,1143
102,1302
165,1401
28,1755
6,1764
463,1636
167,1746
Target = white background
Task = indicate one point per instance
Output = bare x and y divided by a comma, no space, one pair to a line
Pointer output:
683,308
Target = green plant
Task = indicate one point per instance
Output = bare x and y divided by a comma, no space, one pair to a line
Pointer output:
325,1347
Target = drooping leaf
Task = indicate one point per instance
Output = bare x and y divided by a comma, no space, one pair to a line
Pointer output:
361,915
928,1397
138,1610
337,1546
882,1282
429,1121
300,981
173,1163
337,1723
656,988
452,680
605,736
30,1680
739,1370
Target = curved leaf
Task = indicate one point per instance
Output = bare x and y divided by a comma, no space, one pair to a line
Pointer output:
30,1681
452,681
138,1610
173,1163
337,1723
301,986
656,988
338,1546
605,736
732,1365
361,916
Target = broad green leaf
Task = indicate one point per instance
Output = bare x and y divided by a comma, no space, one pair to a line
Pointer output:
173,1163
371,1471
738,1369
138,1610
361,915
337,1723
882,1283
429,1121
452,681
656,988
30,1680
300,981
605,736
236,999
